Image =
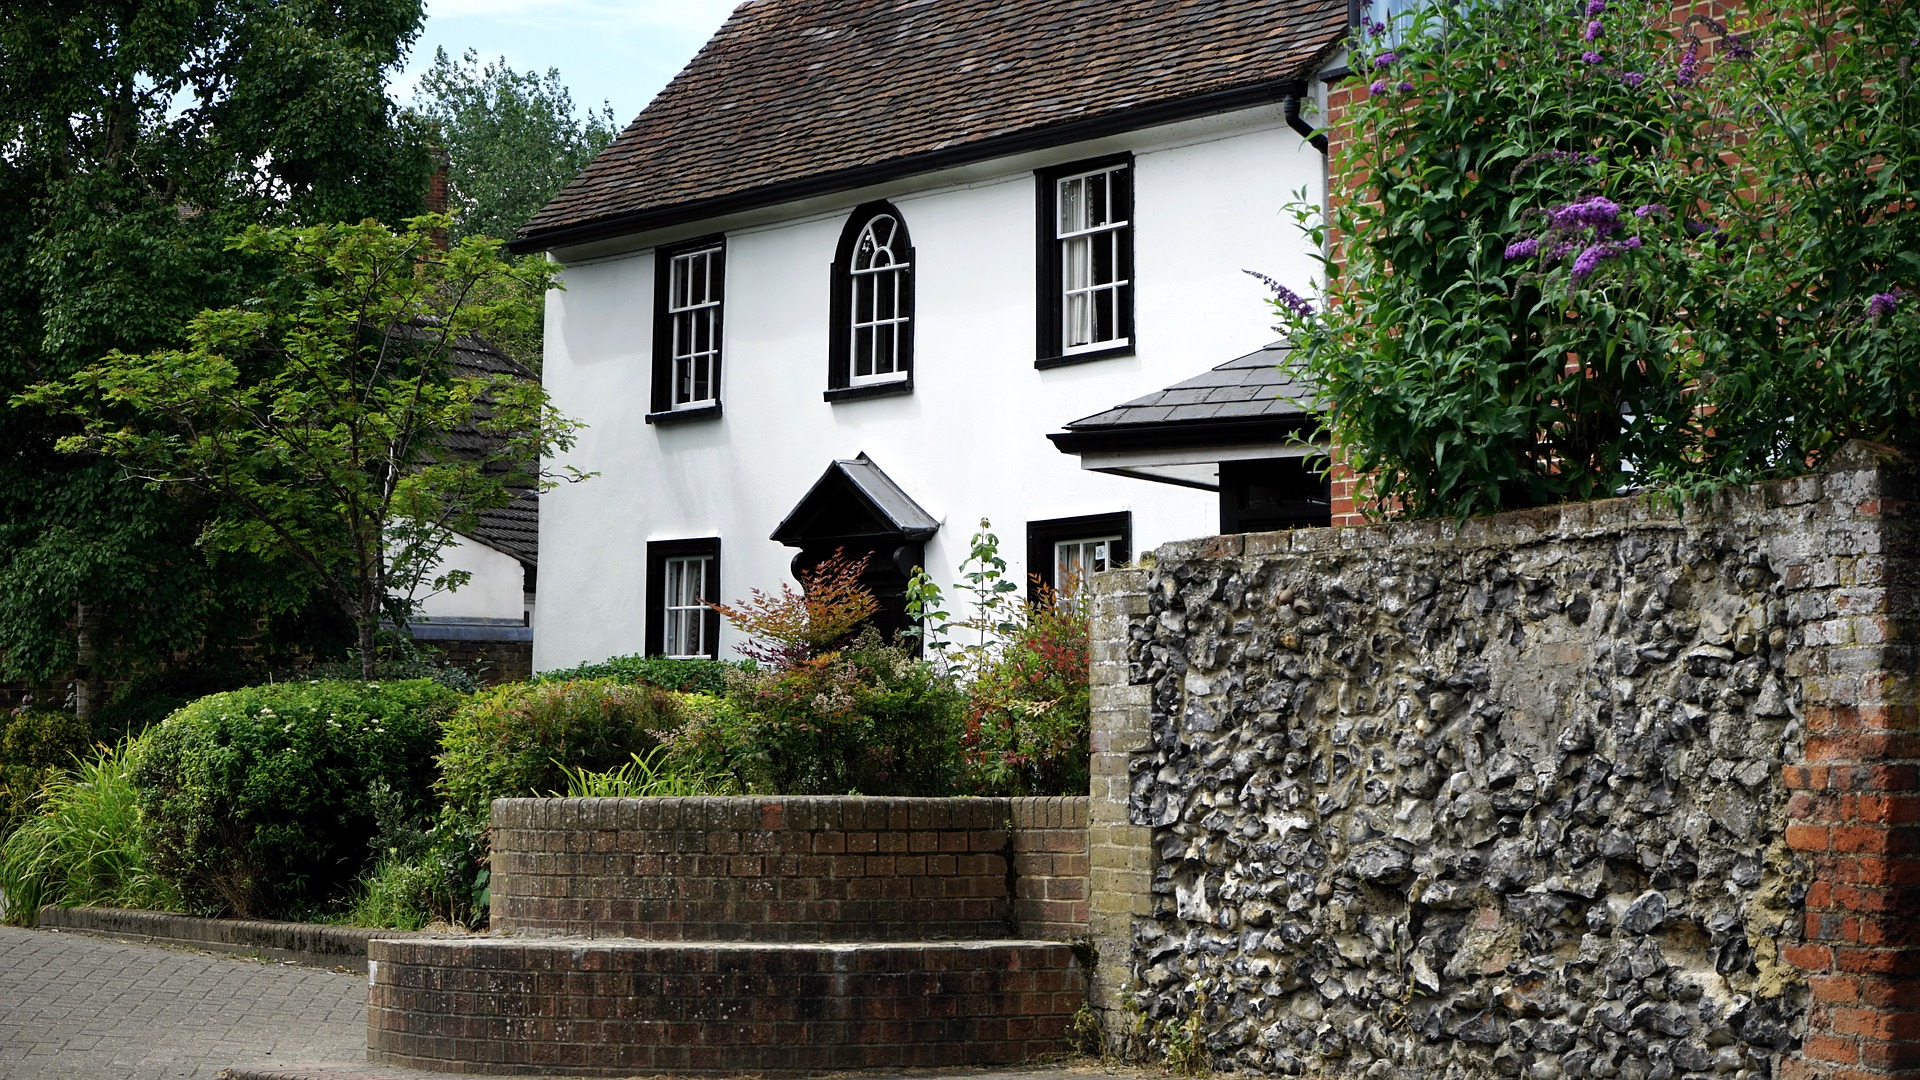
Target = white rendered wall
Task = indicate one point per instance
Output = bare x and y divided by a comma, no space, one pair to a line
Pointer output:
970,441
497,589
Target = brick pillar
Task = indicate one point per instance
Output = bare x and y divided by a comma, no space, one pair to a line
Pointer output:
1855,811
1120,865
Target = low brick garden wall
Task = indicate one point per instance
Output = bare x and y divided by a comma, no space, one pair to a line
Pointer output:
752,935
620,1008
791,869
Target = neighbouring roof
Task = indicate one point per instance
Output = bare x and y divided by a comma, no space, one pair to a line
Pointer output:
855,498
1248,399
794,98
513,529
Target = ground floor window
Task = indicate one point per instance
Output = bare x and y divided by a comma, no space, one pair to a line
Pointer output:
1064,553
682,577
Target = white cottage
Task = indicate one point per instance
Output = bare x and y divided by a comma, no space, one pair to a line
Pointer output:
837,285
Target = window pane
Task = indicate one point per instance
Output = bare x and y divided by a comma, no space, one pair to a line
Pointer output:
1103,252
883,301
1098,210
1079,321
1078,262
863,298
1103,315
883,351
1073,211
863,350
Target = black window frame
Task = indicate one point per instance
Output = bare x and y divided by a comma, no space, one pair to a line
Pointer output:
840,384
662,410
1050,299
658,552
1043,535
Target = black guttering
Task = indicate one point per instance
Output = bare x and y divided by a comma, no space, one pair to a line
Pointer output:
1291,109
1020,142
1179,436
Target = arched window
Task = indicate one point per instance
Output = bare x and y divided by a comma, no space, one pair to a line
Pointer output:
871,347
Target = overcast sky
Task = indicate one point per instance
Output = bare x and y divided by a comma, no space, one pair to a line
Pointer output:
619,51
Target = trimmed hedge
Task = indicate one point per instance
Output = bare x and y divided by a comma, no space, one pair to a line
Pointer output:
665,672
260,802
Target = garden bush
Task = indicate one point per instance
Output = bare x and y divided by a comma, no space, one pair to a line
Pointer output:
35,744
870,719
693,676
521,738
260,802
1596,247
84,846
1028,708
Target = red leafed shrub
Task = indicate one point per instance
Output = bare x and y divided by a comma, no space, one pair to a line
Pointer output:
1028,709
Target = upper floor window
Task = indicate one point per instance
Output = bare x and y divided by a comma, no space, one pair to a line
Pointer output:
871,345
1086,261
690,288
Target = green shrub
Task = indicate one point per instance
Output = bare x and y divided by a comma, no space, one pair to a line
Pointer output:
260,802
653,774
35,744
1028,708
870,719
519,739
397,894
690,676
84,847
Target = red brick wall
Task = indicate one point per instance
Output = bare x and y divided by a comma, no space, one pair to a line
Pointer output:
790,869
1050,867
1856,806
621,1008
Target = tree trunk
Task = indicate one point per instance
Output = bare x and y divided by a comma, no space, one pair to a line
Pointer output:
87,690
365,626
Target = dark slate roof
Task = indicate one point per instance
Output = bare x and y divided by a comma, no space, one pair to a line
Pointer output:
515,527
1247,399
879,506
793,98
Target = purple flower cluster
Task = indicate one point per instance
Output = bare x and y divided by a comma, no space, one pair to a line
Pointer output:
1595,30
1592,57
1581,229
1596,8
1376,29
1384,60
1652,210
1284,296
1689,71
1881,305
1632,78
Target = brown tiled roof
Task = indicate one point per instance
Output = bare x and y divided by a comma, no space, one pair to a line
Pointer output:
794,97
514,528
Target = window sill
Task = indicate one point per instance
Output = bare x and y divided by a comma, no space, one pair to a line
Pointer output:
683,416
1046,362
869,390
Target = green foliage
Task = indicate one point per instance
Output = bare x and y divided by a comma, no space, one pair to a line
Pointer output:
519,740
1028,708
138,138
84,847
512,139
654,773
35,745
317,413
870,719
261,802
967,646
396,894
693,676
1582,261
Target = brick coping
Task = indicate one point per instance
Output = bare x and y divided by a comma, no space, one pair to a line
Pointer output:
312,944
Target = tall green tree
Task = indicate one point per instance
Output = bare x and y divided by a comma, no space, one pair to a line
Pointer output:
511,141
136,136
317,413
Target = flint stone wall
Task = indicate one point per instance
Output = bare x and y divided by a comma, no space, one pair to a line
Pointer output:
1502,799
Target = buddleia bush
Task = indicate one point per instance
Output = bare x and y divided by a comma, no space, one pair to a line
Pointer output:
1592,248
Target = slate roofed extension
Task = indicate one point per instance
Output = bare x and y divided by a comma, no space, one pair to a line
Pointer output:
796,98
1249,399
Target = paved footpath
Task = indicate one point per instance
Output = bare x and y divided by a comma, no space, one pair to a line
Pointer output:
81,1008
74,1007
